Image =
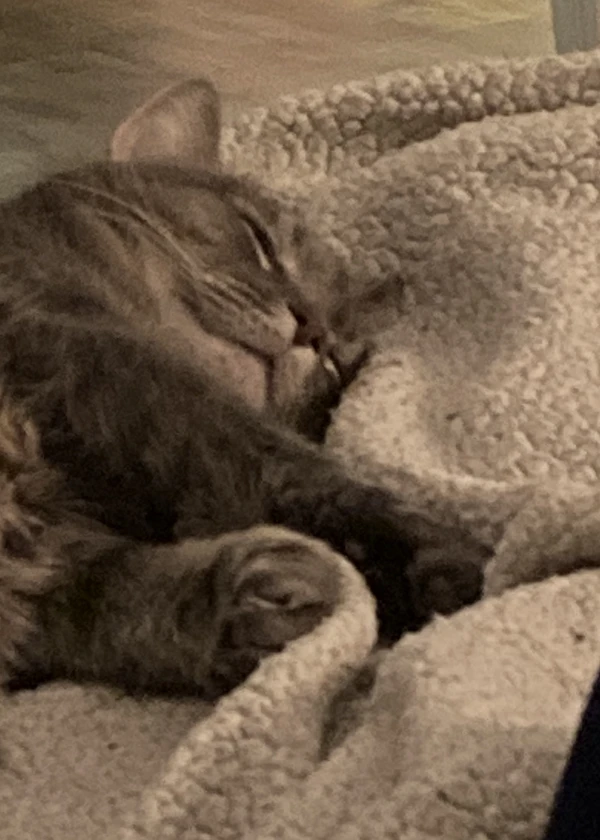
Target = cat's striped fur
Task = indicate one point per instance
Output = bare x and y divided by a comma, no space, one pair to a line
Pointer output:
165,331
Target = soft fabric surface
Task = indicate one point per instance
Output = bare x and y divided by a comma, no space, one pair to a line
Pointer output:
481,404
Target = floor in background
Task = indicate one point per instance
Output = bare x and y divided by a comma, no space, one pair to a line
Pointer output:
69,69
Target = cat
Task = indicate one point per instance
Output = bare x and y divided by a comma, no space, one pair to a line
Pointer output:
169,340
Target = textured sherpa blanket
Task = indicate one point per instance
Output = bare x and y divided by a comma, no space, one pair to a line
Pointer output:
480,404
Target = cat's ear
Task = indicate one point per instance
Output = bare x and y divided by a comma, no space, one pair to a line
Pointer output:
181,123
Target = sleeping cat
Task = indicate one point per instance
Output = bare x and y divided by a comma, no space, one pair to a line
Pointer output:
169,337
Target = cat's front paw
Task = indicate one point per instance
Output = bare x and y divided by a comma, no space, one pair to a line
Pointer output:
445,578
417,569
413,566
281,585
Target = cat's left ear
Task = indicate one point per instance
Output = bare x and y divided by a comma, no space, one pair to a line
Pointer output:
181,123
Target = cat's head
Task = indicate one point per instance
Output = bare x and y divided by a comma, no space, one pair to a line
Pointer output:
272,290
211,267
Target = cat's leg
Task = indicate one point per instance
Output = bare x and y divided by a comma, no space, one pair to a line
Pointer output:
77,600
414,566
196,616
158,448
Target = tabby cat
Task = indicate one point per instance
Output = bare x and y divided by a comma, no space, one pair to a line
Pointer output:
167,343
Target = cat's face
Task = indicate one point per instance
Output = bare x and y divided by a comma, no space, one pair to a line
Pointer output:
259,291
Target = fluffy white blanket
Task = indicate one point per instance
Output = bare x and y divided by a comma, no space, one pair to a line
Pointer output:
482,404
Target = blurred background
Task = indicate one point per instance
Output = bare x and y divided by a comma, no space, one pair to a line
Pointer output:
70,70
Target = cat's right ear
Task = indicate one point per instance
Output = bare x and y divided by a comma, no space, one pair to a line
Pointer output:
181,123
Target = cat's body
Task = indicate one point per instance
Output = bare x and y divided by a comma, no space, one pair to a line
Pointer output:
165,331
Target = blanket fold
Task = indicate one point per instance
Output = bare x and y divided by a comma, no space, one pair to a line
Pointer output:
469,195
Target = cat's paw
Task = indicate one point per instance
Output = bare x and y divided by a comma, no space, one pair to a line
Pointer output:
423,569
282,585
446,578
413,566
